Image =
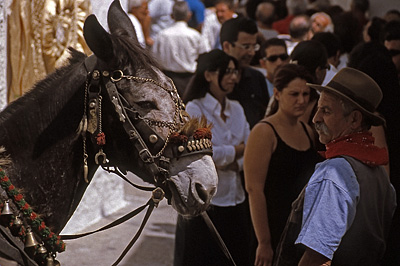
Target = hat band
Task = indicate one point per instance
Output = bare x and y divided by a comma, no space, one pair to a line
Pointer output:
344,90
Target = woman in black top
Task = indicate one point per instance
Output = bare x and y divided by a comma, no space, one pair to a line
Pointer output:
279,159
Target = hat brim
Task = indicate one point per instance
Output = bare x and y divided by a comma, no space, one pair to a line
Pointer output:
375,118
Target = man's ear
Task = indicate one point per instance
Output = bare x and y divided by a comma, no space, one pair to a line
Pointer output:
356,119
226,46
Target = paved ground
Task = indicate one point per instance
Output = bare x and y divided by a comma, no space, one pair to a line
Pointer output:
154,248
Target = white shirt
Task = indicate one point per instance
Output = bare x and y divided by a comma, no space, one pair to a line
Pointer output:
329,74
225,136
138,29
211,28
177,48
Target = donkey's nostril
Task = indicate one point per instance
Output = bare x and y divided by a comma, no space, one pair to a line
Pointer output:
202,192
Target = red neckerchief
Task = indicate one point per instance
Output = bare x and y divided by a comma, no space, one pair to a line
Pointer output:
358,145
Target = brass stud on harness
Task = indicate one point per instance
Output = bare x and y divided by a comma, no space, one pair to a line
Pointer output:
153,138
96,74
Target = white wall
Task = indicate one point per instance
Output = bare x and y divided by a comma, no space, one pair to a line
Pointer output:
100,8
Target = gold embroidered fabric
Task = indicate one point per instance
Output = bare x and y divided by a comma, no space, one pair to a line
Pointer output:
39,34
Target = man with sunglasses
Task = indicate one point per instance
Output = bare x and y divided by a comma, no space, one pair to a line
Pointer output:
274,54
238,39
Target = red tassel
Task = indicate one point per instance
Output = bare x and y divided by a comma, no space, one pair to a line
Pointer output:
101,139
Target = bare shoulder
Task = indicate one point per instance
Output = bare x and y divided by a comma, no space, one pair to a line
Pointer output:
263,128
263,135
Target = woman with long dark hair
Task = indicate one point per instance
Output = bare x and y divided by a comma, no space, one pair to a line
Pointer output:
216,76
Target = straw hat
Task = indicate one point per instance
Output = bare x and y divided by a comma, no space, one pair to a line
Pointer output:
357,87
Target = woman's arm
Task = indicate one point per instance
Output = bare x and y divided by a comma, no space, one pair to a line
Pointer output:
260,145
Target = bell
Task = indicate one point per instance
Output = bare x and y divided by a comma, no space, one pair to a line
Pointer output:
30,243
40,255
18,221
6,214
16,225
41,249
50,261
6,209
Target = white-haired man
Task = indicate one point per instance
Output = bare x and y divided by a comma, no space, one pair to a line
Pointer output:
344,213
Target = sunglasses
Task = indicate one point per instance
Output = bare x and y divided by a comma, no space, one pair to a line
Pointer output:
394,52
273,58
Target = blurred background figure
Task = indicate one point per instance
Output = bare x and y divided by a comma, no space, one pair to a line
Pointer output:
161,15
375,60
216,15
392,42
177,47
331,42
313,56
374,30
299,29
265,17
392,14
279,159
216,76
321,22
294,8
197,9
138,12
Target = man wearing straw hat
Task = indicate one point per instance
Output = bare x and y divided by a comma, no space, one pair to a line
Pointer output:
343,215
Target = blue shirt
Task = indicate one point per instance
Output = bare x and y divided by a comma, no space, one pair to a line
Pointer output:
198,12
330,203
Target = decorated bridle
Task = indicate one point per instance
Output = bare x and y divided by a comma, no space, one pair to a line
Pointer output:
154,151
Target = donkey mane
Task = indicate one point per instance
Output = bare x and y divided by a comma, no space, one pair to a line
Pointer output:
129,52
41,88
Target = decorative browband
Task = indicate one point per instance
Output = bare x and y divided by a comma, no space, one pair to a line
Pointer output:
199,142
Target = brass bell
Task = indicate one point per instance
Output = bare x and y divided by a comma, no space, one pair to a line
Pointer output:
41,249
50,261
6,214
40,255
16,225
6,209
30,240
17,221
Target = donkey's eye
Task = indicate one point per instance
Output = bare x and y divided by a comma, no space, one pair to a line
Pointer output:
147,105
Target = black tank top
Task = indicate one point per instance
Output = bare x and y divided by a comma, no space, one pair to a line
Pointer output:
289,171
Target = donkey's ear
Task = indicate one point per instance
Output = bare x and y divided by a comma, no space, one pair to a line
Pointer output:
118,19
98,39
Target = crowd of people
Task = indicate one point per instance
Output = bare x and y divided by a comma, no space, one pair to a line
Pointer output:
304,97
